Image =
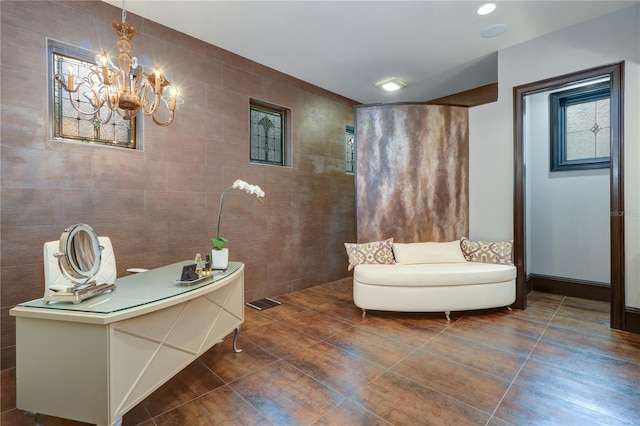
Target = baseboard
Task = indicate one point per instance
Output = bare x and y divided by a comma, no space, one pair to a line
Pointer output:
570,287
585,290
632,320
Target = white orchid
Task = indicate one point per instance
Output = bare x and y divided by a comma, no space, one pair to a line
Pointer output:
250,189
219,242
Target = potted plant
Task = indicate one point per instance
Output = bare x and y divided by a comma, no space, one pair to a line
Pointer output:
219,253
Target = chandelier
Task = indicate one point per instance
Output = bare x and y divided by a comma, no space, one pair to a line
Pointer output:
110,89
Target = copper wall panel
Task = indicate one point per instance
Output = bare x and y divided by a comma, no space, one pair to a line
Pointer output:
412,175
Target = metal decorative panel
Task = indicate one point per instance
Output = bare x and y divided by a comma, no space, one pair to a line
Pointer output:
412,173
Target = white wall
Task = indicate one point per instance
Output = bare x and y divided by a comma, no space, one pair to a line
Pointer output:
608,39
567,220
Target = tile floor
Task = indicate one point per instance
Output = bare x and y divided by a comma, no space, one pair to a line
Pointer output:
315,361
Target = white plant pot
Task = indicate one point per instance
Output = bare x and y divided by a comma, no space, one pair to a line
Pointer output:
220,258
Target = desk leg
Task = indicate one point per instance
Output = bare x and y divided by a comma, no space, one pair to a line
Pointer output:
36,420
235,340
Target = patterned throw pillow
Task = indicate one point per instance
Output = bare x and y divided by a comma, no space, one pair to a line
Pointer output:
487,252
374,252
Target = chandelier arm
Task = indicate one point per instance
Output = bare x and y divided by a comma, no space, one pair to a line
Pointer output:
142,85
96,87
98,116
155,105
112,91
100,104
111,99
76,104
98,101
157,94
169,121
151,112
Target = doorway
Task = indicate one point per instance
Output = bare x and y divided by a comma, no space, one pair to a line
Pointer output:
614,72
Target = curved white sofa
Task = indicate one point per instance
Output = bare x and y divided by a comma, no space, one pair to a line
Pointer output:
432,277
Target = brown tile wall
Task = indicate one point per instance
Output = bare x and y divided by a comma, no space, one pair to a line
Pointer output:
159,205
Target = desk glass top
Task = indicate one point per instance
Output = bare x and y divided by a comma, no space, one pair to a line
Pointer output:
138,289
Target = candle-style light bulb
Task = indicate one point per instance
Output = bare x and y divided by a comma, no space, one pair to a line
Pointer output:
173,99
104,61
70,79
157,73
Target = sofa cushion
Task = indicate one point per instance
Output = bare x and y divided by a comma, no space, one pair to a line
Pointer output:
487,252
373,252
410,253
434,274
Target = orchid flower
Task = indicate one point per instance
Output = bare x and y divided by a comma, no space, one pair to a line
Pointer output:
219,242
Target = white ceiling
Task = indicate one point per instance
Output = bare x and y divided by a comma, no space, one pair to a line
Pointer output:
346,47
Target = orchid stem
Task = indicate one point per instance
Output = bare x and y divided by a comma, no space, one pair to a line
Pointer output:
220,210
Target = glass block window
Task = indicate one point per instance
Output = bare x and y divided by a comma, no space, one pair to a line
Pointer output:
267,134
350,150
68,121
580,129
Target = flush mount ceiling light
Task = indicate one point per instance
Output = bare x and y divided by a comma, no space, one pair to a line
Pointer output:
494,31
391,85
486,9
121,89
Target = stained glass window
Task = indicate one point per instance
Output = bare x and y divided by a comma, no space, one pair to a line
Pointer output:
266,135
69,122
580,129
349,150
588,130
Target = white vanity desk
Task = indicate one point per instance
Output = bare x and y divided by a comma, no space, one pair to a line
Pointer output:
96,360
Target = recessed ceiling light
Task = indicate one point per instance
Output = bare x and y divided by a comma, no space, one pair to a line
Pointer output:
494,31
486,9
391,85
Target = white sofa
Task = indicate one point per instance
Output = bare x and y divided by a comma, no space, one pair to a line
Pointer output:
432,277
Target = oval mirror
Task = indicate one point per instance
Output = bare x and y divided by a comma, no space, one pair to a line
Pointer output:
79,254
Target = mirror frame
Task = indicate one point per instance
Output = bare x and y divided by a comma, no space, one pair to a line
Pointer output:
67,254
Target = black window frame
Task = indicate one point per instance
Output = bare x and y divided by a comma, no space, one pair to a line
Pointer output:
558,102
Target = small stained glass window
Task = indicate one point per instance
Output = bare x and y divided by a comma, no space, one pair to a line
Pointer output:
70,118
580,129
349,150
588,130
267,134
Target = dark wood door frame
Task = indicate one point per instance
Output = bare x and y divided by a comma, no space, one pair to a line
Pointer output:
616,74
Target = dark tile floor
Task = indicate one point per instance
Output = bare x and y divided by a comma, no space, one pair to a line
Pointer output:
315,360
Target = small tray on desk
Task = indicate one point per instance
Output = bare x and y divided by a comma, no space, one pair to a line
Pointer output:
80,294
202,278
192,282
